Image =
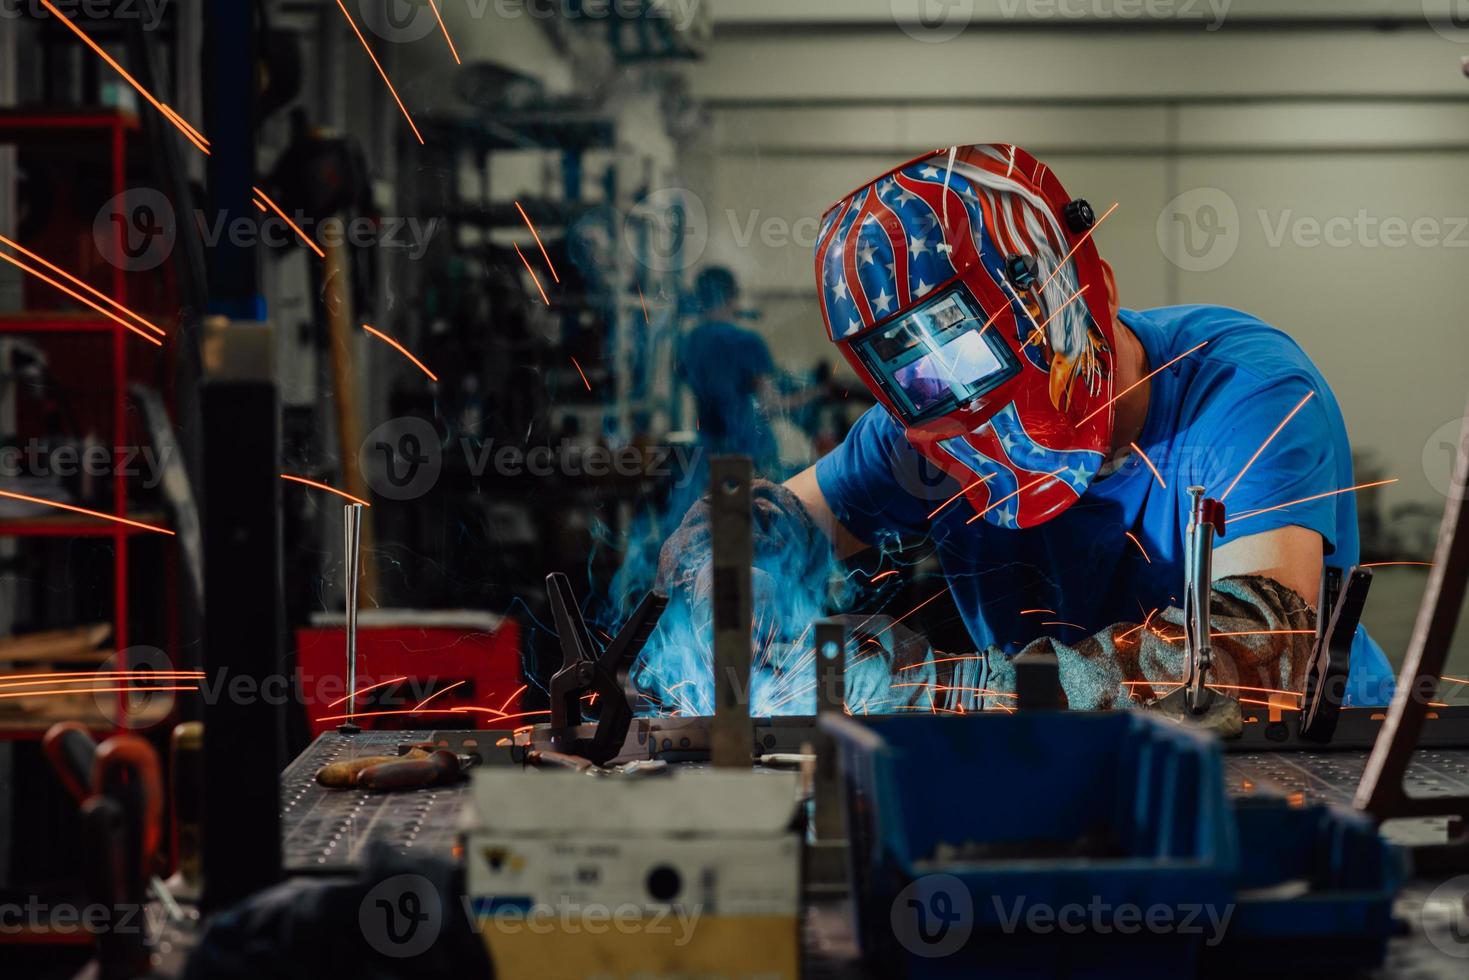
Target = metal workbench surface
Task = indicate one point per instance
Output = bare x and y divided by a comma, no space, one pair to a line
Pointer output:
328,831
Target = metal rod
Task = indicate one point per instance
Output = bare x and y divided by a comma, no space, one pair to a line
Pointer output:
352,527
733,555
1198,580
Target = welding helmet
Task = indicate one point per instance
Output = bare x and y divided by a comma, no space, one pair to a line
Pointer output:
964,289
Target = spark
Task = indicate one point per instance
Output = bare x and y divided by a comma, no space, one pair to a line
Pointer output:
945,660
1062,622
443,690
517,693
1268,439
503,717
401,350
1027,612
1037,333
82,510
74,280
80,299
358,715
99,676
1265,633
258,206
1380,564
379,67
1267,704
440,19
911,612
963,690
294,227
883,575
1067,257
323,486
1143,625
547,256
642,301
1139,544
959,494
1456,680
1315,496
190,133
1139,381
534,278
1144,457
95,690
1016,493
363,690
583,374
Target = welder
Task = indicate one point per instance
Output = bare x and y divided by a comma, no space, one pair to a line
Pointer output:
1045,438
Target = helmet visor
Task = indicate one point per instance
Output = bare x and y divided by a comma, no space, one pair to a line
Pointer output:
938,357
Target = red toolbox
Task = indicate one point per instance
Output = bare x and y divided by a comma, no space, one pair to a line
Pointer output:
415,669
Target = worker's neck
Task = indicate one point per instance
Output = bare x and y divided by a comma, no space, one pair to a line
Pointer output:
1131,410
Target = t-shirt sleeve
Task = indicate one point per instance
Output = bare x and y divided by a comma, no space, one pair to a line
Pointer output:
1299,463
877,484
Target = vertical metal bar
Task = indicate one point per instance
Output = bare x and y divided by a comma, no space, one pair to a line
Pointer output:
831,697
352,558
733,555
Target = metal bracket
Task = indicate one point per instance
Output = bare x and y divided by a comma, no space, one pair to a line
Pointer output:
1339,610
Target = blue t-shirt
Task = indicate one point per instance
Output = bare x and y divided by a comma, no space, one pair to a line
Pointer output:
1207,415
721,364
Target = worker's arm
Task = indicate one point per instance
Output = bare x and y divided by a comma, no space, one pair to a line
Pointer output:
806,489
1290,555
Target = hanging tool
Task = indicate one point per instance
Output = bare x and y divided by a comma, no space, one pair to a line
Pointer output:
1338,610
584,671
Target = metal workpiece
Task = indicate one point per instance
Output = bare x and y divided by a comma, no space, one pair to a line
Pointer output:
352,561
1205,517
1338,611
732,558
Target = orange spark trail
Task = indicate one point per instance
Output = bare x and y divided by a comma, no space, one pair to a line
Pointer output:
1026,612
506,703
1268,439
256,201
440,19
94,690
1144,457
101,676
401,350
323,486
941,660
82,510
502,717
910,612
1265,633
1015,493
190,133
74,280
1315,496
545,255
1038,332
884,575
1456,680
1139,381
533,277
446,690
1139,544
1062,622
1143,625
395,711
959,494
1067,257
80,299
294,227
363,690
379,67
1267,704
641,300
583,374
1379,564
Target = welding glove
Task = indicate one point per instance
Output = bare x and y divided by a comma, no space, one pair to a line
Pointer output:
1261,631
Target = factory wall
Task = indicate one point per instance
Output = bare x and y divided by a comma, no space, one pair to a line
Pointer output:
1256,177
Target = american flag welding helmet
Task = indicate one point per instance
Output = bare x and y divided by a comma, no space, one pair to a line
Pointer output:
966,292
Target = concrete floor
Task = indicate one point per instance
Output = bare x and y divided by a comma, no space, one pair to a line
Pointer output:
1392,606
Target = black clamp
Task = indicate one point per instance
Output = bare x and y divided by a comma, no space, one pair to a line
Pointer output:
1079,215
585,671
1338,610
1021,270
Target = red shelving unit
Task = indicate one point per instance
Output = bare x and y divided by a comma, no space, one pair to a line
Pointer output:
109,132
